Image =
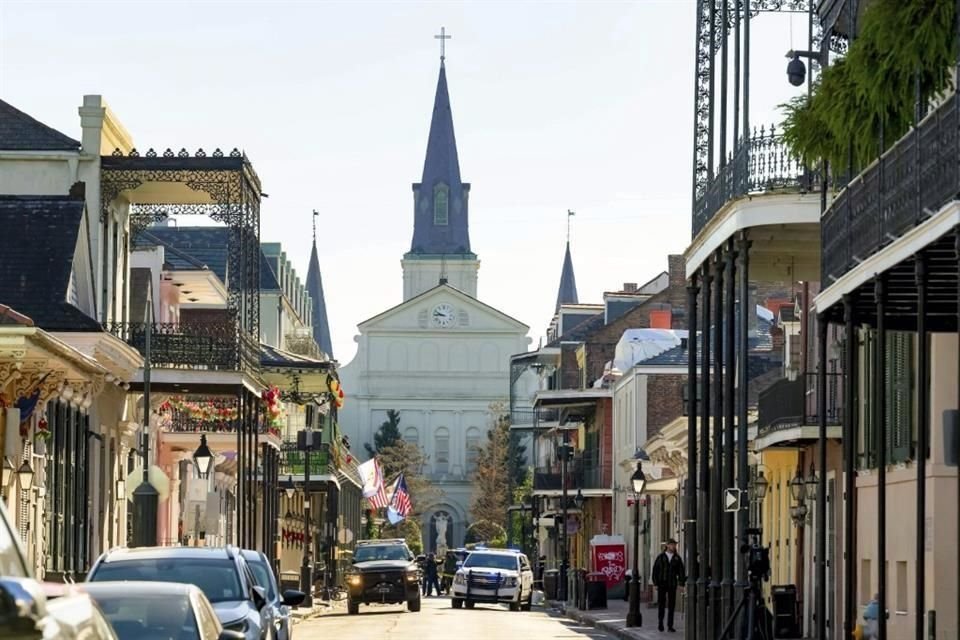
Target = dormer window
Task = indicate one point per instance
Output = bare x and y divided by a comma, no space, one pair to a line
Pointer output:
441,204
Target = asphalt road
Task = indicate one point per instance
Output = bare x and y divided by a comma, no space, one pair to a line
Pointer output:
438,621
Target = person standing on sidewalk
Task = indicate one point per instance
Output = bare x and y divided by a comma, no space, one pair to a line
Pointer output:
668,574
430,578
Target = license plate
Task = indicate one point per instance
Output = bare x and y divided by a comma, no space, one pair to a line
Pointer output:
384,588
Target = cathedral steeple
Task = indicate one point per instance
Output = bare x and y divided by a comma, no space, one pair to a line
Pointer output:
321,327
440,198
567,292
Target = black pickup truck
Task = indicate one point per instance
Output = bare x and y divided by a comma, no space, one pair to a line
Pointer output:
383,572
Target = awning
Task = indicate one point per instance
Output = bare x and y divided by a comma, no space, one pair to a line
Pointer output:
662,486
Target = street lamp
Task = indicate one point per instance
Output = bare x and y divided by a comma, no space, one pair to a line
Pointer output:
579,500
797,487
7,475
639,483
25,474
565,451
202,457
290,489
760,486
812,483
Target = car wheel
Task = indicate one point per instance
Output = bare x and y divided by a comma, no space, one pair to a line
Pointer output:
468,604
414,605
515,606
353,607
456,603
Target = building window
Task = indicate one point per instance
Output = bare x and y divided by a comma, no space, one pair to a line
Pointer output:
473,449
411,436
902,600
441,451
441,205
899,385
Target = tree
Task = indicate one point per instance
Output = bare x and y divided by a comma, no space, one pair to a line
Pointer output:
409,459
387,435
491,480
487,532
518,523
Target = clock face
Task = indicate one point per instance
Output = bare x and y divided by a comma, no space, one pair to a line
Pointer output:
442,315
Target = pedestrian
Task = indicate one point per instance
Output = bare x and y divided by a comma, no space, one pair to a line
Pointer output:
668,574
871,617
430,576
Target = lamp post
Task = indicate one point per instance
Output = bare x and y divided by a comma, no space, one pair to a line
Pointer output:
145,497
639,483
25,475
6,476
566,452
202,457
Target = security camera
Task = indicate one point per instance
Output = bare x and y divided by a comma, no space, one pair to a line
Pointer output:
796,71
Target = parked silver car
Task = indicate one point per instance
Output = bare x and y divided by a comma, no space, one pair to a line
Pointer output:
277,611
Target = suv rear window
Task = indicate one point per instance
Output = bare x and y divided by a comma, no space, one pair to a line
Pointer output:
368,552
491,561
217,578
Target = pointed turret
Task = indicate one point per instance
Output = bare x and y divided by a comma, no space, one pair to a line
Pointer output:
567,293
321,327
440,198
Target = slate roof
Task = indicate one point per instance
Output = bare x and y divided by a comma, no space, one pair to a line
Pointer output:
273,357
36,259
580,331
321,326
20,132
441,165
675,357
268,278
567,292
190,248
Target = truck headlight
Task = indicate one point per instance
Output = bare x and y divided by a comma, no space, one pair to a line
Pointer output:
354,579
510,581
413,576
459,579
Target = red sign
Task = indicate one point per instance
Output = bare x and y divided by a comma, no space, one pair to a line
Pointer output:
611,561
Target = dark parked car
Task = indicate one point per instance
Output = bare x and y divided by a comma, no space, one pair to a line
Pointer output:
158,611
277,611
383,571
220,572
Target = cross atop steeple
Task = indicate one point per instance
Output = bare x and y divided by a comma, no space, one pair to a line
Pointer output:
443,37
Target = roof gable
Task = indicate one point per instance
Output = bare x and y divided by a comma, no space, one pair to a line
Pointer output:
39,248
21,132
407,315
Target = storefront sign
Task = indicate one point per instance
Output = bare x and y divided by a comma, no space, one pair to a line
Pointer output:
611,561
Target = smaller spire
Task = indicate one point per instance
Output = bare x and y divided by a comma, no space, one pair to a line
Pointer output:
321,326
567,292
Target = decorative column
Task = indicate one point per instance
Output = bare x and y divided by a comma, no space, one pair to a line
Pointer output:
923,442
716,489
690,533
703,487
851,401
729,397
879,424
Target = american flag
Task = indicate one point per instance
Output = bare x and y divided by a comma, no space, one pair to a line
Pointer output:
379,499
401,498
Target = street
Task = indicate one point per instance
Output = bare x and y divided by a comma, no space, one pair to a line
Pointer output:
438,620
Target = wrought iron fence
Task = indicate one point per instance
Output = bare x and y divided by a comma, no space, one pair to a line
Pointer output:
761,165
913,179
213,346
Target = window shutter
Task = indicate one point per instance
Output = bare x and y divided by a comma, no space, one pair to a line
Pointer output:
901,395
868,444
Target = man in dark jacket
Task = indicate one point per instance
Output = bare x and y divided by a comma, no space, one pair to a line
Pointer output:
430,576
668,574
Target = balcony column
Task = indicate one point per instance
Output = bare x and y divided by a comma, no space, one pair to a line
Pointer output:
743,358
716,487
851,385
820,589
691,540
923,435
703,486
729,329
255,513
880,422
239,423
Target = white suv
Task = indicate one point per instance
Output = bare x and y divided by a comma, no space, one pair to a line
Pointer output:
494,576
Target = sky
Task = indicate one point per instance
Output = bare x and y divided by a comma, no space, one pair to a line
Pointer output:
586,106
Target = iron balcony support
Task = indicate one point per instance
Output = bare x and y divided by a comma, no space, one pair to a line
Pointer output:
691,541
880,433
923,434
743,368
851,387
820,589
729,396
716,488
704,502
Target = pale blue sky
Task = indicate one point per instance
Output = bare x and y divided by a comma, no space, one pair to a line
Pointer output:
557,105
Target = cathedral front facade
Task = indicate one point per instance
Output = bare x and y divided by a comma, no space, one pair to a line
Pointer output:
440,357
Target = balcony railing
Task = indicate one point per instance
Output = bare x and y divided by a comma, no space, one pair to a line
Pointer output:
293,461
582,473
210,346
762,165
793,403
915,177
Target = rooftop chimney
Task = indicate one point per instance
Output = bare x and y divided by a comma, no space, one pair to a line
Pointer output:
630,287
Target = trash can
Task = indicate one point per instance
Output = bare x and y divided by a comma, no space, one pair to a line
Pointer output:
595,590
550,579
785,621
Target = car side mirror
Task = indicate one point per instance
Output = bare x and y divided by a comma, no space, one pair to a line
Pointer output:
259,597
229,634
293,598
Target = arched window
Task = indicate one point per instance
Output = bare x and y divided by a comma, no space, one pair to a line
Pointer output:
411,435
441,205
441,450
473,449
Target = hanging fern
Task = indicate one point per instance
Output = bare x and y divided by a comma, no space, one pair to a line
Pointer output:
873,88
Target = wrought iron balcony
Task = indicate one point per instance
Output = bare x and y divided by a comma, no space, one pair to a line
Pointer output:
293,462
914,178
550,478
793,403
762,165
212,346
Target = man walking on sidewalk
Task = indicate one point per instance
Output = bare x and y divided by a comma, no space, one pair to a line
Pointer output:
668,574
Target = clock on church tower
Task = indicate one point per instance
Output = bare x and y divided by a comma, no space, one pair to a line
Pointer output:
442,315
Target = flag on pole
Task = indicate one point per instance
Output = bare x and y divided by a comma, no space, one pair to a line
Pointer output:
400,505
373,489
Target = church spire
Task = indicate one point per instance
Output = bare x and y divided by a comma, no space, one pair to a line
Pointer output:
567,292
441,198
321,327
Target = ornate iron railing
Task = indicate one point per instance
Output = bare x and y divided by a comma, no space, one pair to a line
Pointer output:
793,403
763,165
912,180
293,461
214,346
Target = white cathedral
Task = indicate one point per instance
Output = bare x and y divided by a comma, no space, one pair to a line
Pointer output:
440,357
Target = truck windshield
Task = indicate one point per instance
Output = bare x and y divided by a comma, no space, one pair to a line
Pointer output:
366,553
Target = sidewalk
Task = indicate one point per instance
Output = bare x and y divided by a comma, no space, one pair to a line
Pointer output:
320,608
613,620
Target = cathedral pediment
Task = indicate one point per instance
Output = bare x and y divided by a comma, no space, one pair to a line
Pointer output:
443,309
